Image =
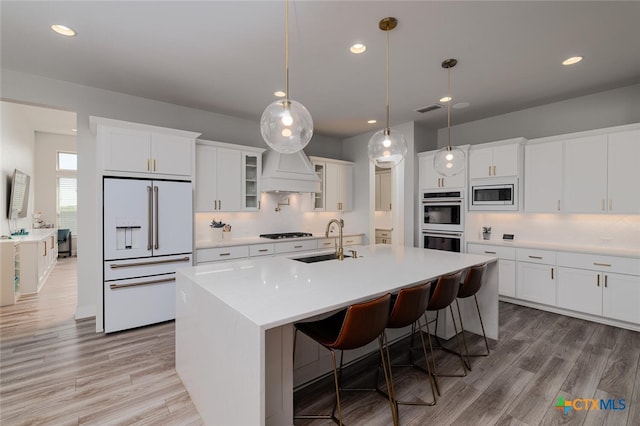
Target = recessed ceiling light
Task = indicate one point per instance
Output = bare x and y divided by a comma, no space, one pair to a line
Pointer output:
372,121
572,60
460,105
279,94
63,30
358,48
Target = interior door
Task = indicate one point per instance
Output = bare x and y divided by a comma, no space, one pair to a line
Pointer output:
172,218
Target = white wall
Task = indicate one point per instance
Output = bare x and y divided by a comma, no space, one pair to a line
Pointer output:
47,147
17,145
604,109
87,101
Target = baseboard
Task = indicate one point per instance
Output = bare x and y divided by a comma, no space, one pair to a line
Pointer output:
87,311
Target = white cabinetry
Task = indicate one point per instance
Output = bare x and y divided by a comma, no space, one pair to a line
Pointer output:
136,148
336,185
496,159
227,177
37,255
536,279
383,236
600,285
542,177
9,282
506,265
383,191
430,179
601,173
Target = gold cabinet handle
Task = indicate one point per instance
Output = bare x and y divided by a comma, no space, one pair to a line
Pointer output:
45,248
489,170
349,241
601,264
148,165
327,243
603,205
494,170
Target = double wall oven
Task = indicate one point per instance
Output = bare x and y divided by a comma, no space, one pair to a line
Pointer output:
442,220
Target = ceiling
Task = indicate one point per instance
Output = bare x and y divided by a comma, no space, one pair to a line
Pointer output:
228,56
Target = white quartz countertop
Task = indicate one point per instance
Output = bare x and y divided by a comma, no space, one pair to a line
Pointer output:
602,250
272,291
257,240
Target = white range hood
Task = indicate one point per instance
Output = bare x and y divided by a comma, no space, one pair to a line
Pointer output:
288,173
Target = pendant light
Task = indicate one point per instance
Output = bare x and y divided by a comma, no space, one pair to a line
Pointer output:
286,125
449,161
387,148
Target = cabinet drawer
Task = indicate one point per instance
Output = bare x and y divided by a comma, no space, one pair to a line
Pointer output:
221,253
293,246
262,250
383,233
119,269
508,253
351,241
536,256
620,265
327,243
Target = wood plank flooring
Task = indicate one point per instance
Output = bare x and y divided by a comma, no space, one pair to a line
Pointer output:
58,371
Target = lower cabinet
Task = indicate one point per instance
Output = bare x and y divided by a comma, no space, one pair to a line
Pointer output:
536,280
600,286
37,256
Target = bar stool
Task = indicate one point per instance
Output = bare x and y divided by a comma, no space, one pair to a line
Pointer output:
351,328
442,296
470,287
408,306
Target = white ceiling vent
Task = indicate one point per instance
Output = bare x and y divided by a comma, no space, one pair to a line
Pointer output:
429,108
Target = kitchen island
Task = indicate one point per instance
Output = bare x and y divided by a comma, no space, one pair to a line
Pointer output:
234,320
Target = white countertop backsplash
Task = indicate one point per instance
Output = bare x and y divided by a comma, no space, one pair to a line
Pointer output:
616,235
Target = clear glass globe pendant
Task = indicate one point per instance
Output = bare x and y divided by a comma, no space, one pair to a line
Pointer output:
286,126
387,148
449,161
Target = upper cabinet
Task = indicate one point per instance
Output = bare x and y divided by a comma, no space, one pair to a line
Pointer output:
383,190
590,172
543,175
142,149
336,186
429,178
496,159
227,177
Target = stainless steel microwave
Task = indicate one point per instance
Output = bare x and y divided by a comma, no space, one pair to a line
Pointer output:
494,194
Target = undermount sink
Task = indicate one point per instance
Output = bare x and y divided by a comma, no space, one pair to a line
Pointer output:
318,258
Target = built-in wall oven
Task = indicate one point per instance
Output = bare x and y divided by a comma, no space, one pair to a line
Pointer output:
442,220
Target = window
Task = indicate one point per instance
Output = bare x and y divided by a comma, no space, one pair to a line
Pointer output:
67,161
67,191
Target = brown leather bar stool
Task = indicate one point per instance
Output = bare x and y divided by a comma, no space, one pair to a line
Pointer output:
442,296
409,305
470,287
351,328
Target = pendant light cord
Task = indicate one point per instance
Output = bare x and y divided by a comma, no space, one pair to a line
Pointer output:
286,50
388,129
449,108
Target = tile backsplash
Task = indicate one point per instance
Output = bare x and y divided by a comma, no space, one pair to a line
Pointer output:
297,216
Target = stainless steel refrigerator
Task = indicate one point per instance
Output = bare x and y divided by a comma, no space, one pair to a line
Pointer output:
148,234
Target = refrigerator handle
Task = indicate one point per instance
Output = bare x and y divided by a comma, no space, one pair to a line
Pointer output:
156,225
149,217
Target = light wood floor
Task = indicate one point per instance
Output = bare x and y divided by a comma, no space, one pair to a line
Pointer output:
57,371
